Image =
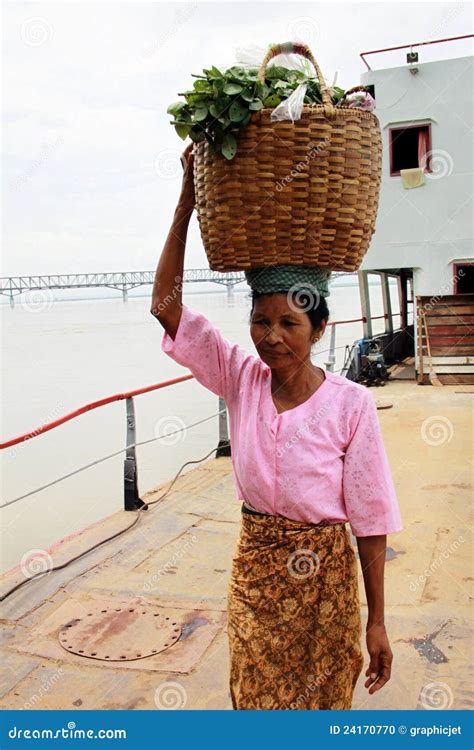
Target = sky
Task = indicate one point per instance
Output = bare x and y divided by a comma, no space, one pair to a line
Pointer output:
91,172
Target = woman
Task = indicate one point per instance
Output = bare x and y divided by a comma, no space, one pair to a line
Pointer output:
308,456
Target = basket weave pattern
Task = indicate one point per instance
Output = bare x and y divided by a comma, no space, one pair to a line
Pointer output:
301,193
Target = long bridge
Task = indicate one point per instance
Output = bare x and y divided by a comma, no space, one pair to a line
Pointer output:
13,286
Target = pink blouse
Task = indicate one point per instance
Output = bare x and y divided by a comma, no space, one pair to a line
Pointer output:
322,460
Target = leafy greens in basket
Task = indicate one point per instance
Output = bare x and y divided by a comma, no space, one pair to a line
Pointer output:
221,104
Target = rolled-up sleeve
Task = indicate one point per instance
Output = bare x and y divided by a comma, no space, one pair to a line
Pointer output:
198,345
369,492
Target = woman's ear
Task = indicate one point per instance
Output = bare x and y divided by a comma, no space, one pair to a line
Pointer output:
316,336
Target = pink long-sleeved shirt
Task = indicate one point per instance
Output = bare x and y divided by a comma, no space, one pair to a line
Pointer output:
322,460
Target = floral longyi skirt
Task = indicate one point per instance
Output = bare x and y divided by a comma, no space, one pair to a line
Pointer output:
294,622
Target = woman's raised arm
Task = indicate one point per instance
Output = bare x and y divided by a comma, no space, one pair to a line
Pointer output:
166,302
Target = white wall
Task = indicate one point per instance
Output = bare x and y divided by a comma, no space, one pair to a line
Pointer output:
429,227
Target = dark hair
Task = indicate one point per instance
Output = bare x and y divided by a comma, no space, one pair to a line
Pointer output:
315,306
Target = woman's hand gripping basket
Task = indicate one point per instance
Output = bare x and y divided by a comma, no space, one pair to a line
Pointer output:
301,193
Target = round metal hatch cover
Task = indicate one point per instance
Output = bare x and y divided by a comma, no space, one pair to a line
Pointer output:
119,633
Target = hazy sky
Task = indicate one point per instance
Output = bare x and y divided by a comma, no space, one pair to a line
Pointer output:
91,170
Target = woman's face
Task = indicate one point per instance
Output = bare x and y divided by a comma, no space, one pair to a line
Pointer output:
282,332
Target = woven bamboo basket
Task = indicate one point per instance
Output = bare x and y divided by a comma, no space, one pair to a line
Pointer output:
300,193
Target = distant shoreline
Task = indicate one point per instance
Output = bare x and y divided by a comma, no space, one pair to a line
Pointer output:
118,295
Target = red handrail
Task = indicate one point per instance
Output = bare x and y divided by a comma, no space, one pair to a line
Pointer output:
89,407
415,44
121,396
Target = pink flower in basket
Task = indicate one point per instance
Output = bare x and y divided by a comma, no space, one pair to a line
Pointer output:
361,99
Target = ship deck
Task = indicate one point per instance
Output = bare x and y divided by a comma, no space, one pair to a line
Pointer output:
178,558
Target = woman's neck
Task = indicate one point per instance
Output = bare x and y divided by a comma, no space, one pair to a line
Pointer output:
304,379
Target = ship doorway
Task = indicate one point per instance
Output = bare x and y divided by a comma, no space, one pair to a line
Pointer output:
463,277
386,297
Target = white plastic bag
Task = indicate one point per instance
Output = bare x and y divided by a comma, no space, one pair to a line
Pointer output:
252,56
290,108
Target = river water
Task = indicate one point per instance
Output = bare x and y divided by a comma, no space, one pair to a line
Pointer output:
64,354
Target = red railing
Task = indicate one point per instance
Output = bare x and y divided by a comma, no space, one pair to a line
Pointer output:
132,500
129,394
89,407
410,46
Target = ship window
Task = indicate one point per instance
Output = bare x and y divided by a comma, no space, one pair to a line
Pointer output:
463,278
410,147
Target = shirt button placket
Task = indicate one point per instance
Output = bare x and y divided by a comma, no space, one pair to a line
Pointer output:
275,429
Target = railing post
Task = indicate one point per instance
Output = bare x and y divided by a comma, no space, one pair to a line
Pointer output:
364,292
131,497
223,448
387,302
331,360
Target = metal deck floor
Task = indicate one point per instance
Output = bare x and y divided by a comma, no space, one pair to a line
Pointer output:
179,557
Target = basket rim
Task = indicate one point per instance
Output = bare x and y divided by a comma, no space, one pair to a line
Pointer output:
363,114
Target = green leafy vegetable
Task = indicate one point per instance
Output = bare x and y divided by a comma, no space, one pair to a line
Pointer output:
221,104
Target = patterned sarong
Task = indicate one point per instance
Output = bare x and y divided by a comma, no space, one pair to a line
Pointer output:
294,622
